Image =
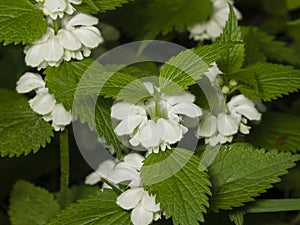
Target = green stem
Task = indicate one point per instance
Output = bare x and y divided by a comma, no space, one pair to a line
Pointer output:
156,113
64,168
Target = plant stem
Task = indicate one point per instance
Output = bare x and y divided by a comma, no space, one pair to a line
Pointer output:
64,168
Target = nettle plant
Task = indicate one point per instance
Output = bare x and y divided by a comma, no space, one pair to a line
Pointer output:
243,145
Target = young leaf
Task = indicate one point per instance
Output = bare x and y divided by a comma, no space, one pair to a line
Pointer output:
277,131
94,6
20,21
100,209
239,173
267,81
180,186
31,205
21,129
189,66
233,59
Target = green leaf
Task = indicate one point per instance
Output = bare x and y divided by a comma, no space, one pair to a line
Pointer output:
63,81
21,129
124,86
267,81
20,21
79,192
189,66
146,21
264,44
180,185
100,209
274,205
31,205
239,173
237,217
94,6
277,131
233,59
87,77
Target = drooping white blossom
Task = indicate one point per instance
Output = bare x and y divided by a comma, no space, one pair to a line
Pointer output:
45,51
213,27
219,127
44,103
156,123
77,36
57,8
143,206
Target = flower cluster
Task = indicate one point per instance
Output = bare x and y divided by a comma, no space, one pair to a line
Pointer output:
69,35
75,39
44,103
213,27
219,125
134,197
156,123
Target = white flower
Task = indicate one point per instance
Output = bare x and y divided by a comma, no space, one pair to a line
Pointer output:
219,128
44,52
75,39
143,205
128,172
155,124
79,35
29,82
213,27
103,170
57,8
44,103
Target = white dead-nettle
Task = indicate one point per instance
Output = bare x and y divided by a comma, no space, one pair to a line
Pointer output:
156,123
143,206
44,103
213,27
219,127
77,36
57,8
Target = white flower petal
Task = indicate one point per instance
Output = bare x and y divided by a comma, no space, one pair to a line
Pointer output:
207,126
130,198
134,160
52,50
179,98
43,103
127,126
227,125
68,40
141,216
89,36
214,29
148,202
123,110
29,81
170,132
61,116
247,111
92,179
81,19
33,56
122,172
188,109
149,134
55,5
